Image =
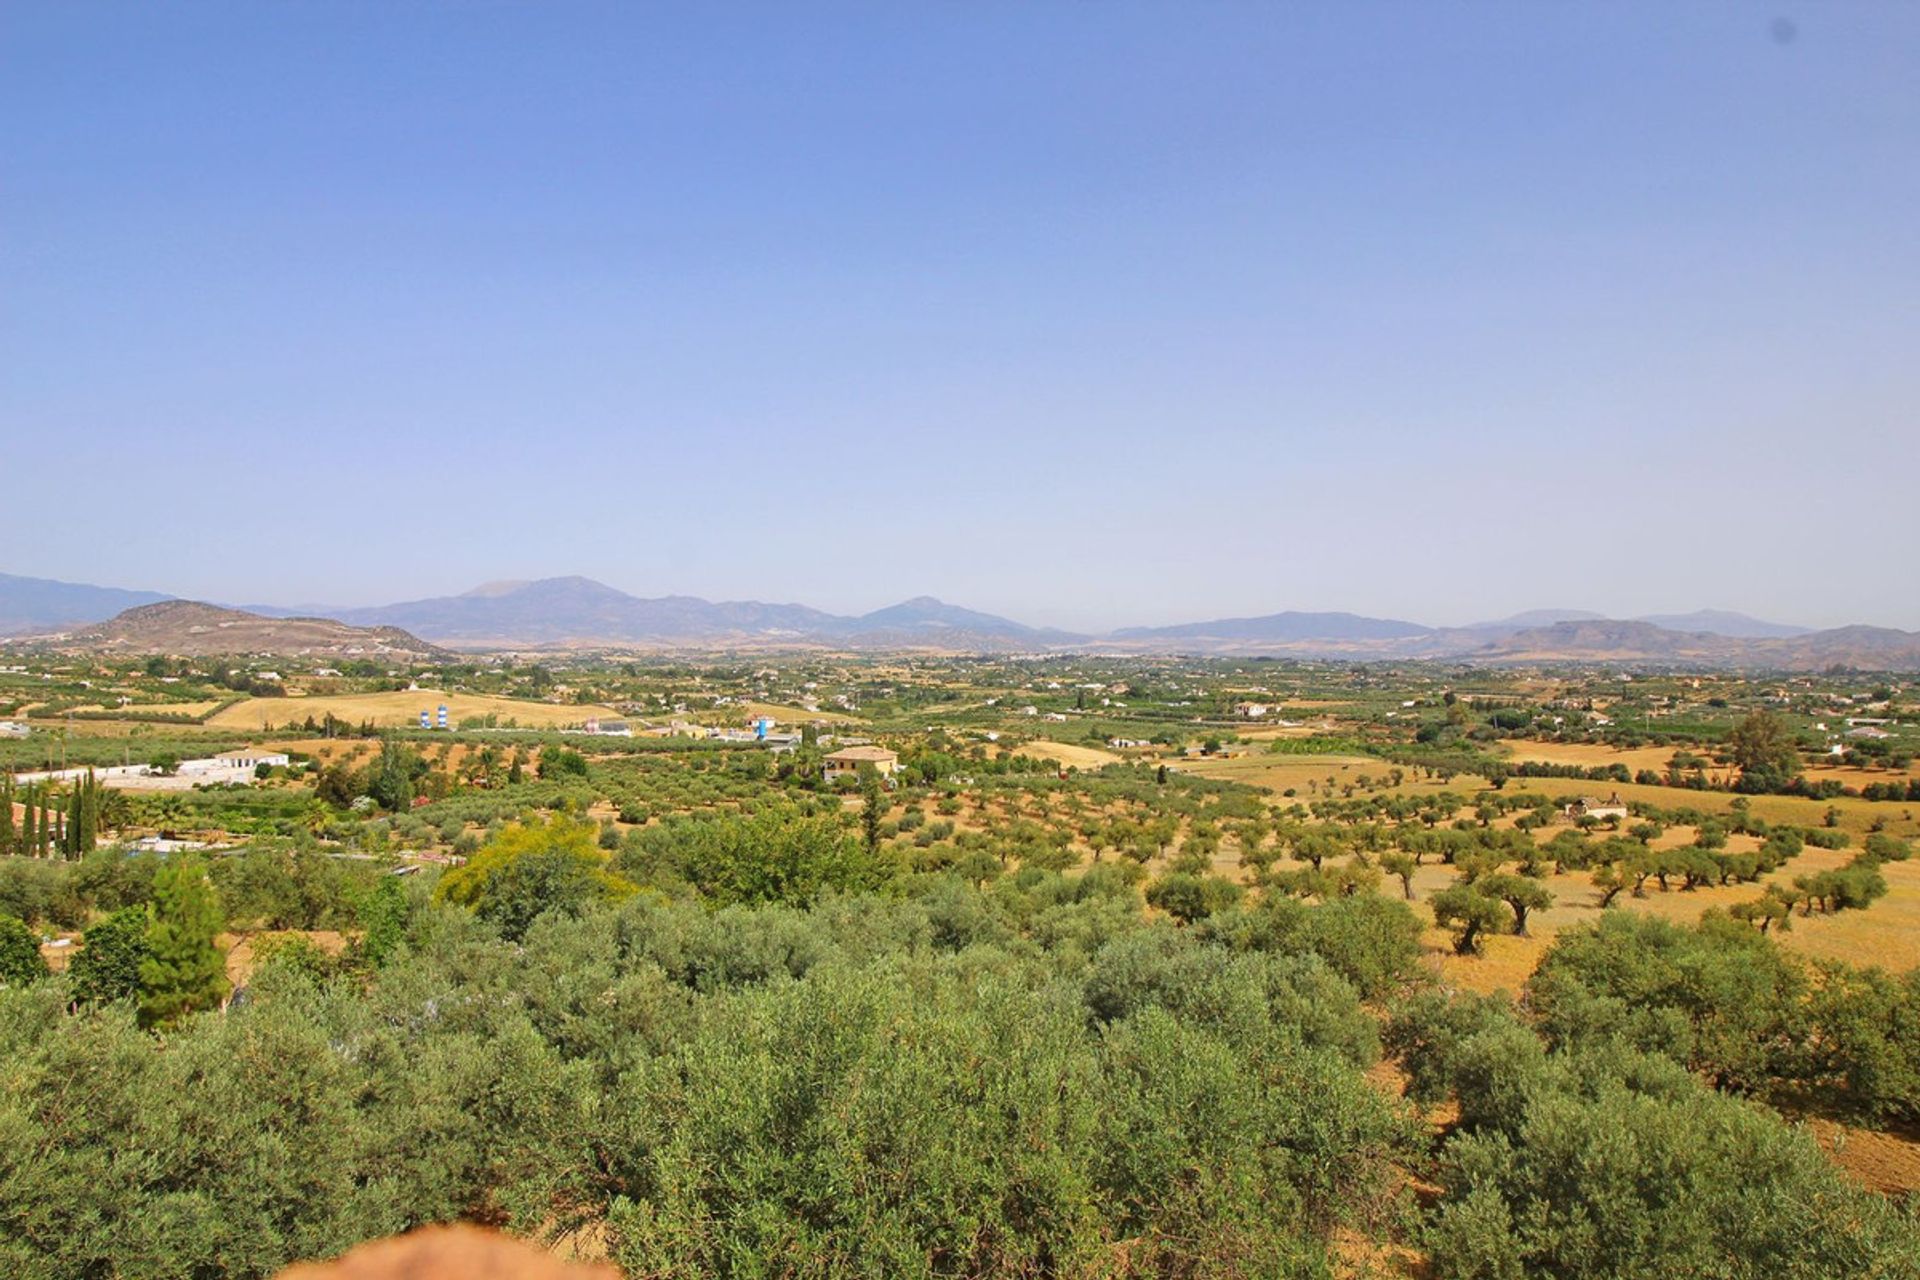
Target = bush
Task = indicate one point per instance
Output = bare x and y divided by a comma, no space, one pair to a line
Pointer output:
1188,897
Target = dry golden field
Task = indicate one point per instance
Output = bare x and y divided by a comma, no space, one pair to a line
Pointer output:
1080,757
172,708
1886,934
399,710
1278,773
1591,754
1856,815
785,717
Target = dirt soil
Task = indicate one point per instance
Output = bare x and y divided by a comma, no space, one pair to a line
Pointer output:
456,1252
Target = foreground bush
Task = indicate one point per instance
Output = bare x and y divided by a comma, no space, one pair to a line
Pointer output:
1027,1082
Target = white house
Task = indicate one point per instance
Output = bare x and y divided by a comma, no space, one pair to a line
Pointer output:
245,758
1587,807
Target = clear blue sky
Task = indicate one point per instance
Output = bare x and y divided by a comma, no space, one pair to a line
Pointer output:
1088,313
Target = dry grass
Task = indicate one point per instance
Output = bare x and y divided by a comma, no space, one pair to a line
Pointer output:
1886,934
400,710
787,716
1591,754
172,708
1885,1162
1280,773
1080,757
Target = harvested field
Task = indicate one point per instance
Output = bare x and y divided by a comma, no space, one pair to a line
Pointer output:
1278,773
400,710
1599,755
190,709
1080,757
788,716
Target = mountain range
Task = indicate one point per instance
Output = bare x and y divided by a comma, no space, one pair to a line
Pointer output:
41,604
575,612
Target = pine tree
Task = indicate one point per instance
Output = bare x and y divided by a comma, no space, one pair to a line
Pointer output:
183,970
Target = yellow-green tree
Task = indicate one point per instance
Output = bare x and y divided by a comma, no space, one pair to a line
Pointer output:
532,868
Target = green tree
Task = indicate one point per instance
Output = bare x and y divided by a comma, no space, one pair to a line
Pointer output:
1402,866
1469,913
562,762
1518,892
1763,747
532,868
777,855
1188,897
107,967
184,971
20,960
391,781
383,920
873,806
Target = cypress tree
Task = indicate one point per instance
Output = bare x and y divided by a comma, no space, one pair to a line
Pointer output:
6,815
30,825
92,811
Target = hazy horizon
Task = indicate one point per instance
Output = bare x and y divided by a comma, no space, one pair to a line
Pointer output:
1120,621
1087,316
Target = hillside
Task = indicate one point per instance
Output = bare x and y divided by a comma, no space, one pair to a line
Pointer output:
1721,622
188,628
1864,648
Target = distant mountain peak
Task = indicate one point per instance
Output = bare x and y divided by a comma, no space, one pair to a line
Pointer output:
43,604
1539,618
1288,626
1725,622
929,613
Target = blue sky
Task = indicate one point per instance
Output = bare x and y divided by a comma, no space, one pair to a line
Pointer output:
1088,313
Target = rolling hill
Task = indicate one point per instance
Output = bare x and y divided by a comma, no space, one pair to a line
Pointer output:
187,628
1862,648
